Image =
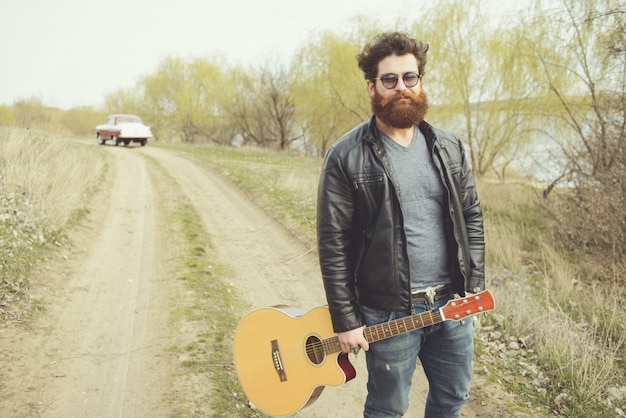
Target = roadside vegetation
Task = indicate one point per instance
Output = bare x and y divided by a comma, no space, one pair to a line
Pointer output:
45,184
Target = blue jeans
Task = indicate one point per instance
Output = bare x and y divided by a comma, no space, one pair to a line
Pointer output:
445,351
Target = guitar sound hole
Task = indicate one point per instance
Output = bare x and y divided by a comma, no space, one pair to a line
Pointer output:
314,350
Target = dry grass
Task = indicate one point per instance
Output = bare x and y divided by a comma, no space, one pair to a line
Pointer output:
44,183
50,175
298,181
575,326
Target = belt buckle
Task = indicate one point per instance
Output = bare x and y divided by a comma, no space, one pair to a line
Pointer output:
429,294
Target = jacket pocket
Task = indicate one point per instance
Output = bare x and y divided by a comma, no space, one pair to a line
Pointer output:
364,179
455,167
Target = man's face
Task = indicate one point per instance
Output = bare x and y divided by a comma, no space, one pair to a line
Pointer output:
399,107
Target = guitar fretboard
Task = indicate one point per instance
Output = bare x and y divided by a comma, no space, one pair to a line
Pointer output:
400,326
389,329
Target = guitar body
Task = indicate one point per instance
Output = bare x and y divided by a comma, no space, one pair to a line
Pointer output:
281,361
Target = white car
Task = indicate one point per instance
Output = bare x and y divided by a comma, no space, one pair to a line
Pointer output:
123,129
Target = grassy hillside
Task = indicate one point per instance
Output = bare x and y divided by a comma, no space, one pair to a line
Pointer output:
556,341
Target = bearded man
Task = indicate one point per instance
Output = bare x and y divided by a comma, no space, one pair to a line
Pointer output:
400,231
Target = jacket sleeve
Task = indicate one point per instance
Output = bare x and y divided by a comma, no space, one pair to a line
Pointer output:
473,216
335,217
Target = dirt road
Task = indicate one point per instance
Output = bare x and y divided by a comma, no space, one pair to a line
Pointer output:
101,348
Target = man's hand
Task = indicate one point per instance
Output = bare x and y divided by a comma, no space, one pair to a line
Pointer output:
352,340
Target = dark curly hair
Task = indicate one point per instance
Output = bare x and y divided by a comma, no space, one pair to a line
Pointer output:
390,43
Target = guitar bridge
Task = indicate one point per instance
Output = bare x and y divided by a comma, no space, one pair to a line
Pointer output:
278,362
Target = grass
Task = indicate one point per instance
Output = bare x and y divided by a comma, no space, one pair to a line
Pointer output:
572,362
49,176
575,327
44,181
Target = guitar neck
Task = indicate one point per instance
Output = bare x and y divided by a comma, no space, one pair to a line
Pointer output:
454,310
400,326
390,329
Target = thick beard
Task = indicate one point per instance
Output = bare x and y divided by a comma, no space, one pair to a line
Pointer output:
400,115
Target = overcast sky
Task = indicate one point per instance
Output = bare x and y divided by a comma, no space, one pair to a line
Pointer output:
71,53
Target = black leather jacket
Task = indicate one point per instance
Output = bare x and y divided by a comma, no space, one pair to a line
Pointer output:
361,241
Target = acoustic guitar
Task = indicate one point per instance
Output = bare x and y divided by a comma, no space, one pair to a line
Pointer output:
285,358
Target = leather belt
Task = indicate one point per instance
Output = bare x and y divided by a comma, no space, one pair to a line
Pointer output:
430,294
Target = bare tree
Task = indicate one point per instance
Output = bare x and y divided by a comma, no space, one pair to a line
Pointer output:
584,69
263,110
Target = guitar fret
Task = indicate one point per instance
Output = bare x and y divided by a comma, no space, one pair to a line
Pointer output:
404,326
331,345
421,324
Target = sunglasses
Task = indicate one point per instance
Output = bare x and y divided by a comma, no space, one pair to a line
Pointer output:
390,80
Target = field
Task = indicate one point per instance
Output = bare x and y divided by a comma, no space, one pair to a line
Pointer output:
555,345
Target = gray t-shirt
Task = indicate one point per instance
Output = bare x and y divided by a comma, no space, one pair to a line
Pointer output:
422,198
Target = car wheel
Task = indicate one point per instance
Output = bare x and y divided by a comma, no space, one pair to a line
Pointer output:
115,140
143,142
126,142
100,140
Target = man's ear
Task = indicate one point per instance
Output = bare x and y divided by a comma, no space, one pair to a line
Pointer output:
371,87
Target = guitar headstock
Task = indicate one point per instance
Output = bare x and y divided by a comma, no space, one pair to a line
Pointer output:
458,309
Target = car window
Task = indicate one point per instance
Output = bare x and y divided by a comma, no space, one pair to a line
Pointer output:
128,119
